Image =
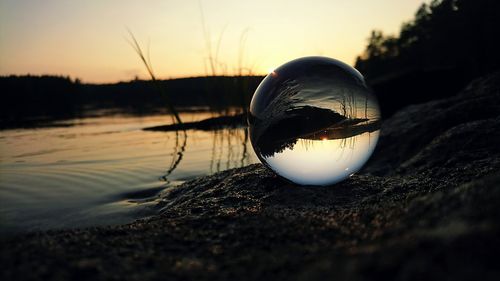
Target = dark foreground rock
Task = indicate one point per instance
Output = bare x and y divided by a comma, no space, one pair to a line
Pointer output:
425,208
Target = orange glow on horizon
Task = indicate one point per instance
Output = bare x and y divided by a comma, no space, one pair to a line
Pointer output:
88,39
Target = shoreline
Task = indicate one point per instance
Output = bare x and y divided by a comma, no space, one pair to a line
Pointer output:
214,123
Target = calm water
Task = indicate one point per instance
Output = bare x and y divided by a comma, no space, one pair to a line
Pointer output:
102,170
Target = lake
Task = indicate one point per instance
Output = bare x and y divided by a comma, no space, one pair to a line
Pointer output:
105,170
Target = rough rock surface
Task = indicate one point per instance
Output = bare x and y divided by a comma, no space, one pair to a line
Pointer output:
425,208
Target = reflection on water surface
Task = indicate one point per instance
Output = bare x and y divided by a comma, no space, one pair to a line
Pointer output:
96,171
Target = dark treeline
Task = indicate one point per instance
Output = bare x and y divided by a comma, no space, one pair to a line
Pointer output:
448,43
29,99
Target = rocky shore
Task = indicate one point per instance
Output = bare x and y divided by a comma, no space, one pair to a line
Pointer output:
424,208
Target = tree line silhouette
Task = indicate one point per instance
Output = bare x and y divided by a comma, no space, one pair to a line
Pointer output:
447,44
458,34
28,100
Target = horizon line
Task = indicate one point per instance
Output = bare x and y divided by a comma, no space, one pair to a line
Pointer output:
74,79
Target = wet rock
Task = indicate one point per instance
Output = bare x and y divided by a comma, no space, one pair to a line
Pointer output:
425,208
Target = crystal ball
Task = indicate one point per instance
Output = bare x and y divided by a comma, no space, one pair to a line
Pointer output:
314,121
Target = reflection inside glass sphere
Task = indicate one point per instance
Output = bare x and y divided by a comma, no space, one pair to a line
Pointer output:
314,121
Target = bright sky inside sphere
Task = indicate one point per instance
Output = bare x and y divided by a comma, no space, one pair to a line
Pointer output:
88,39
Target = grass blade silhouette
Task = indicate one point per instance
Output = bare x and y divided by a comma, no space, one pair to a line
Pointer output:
137,48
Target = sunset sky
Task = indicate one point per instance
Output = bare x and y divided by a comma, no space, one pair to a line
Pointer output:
88,39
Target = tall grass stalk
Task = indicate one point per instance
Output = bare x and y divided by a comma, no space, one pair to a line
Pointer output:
212,56
214,67
243,78
147,63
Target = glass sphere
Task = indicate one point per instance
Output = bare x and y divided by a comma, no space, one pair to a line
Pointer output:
314,121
